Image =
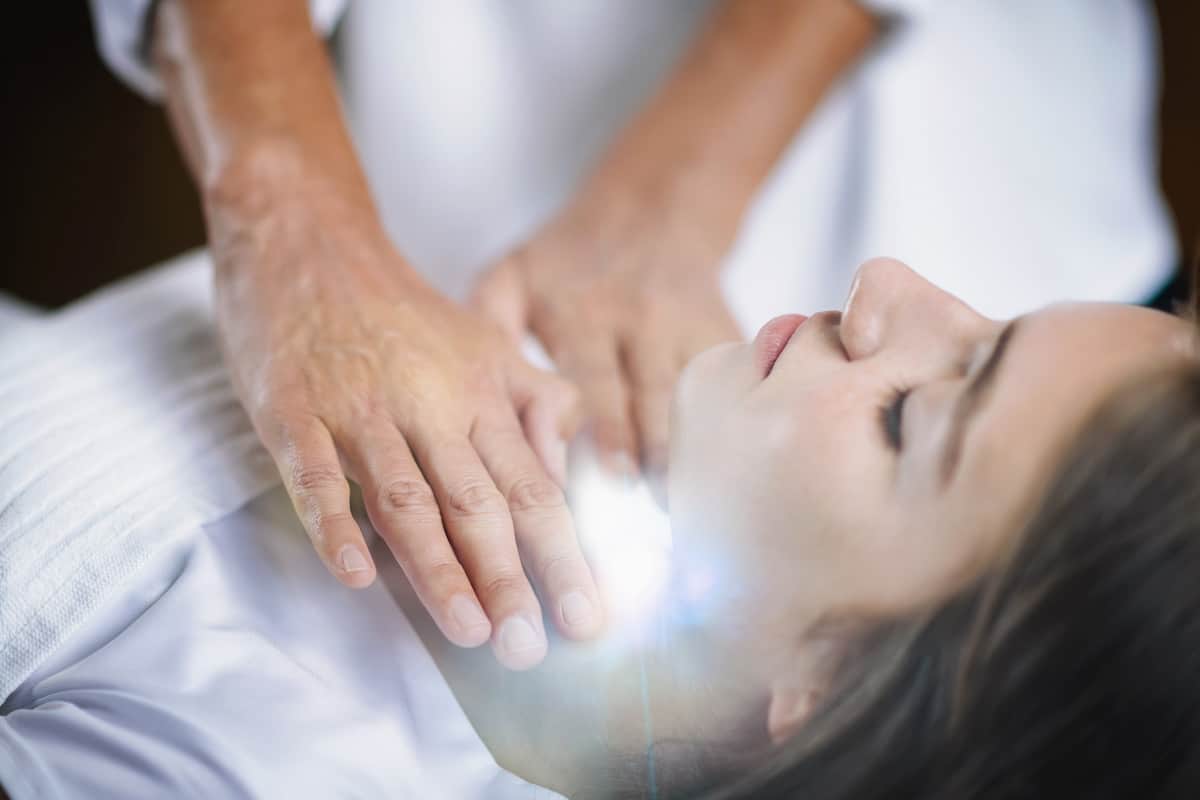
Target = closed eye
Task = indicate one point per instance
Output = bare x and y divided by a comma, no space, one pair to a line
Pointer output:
891,418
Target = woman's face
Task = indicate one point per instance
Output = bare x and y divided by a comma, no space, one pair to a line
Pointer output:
871,461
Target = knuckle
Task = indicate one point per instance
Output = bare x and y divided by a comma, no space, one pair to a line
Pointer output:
504,583
406,496
325,525
474,499
557,568
444,578
317,477
535,494
659,384
329,518
421,555
442,571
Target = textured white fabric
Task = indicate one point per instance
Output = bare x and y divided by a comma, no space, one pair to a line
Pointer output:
94,402
234,666
165,627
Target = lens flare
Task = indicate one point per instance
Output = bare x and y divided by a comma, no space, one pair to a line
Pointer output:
627,538
645,579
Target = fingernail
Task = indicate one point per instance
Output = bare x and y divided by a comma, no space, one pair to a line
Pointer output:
577,610
351,559
467,614
518,637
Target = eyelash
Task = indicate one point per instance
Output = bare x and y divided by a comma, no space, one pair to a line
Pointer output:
891,414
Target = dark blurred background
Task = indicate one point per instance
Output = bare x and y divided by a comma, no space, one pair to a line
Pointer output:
97,190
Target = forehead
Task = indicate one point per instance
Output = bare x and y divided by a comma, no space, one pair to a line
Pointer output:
1060,367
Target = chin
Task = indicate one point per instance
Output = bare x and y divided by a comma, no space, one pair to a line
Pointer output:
712,377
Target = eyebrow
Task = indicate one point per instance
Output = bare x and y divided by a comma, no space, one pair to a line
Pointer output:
971,400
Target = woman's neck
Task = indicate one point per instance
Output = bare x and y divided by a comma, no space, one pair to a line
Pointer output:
587,715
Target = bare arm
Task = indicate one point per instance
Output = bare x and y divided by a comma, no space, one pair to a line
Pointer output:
747,85
349,365
623,287
252,98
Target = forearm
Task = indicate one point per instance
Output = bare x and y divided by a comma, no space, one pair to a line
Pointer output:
252,99
753,76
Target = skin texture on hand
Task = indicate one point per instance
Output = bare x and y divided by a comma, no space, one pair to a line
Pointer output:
623,287
350,366
621,301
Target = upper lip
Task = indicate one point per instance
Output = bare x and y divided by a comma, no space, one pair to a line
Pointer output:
822,319
769,344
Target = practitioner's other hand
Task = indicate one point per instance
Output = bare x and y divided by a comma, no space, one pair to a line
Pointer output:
621,295
350,366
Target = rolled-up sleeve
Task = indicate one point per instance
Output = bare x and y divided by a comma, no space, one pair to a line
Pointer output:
898,9
122,36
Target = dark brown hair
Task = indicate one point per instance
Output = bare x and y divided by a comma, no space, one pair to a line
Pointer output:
1070,670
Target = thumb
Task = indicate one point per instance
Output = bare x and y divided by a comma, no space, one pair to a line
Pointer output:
500,296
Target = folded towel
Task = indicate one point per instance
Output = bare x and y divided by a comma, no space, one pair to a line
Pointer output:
119,434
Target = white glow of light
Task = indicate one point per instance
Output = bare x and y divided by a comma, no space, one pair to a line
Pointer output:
627,538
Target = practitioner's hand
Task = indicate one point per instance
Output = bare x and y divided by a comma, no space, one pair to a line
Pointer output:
351,366
621,296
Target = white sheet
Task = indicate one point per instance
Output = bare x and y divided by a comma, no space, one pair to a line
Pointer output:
165,627
235,666
102,457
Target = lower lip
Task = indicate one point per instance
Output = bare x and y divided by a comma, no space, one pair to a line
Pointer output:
773,338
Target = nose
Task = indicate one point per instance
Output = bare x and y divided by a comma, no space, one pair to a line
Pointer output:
889,304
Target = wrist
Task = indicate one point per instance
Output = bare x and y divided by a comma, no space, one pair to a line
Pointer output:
271,191
274,198
695,210
272,175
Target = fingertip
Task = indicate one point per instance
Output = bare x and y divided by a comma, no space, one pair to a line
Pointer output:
354,567
580,616
519,644
468,625
469,640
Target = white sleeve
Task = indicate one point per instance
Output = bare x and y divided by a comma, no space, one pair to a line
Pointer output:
122,28
897,9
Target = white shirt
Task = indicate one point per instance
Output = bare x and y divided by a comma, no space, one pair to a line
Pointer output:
1005,148
166,629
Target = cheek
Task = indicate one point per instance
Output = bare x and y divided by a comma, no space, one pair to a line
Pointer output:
796,468
704,403
816,471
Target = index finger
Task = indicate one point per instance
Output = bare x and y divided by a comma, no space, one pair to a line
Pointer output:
653,372
594,364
